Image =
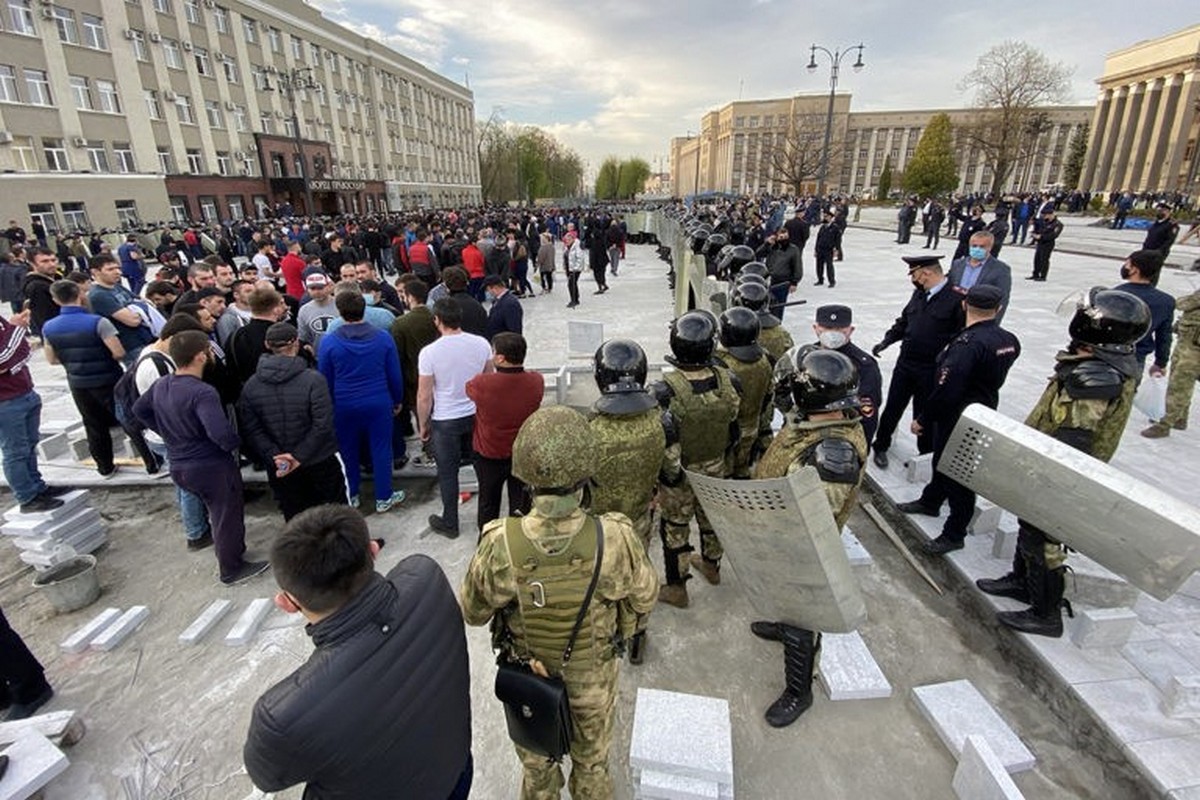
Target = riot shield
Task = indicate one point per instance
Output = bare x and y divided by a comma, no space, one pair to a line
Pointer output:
780,536
1138,531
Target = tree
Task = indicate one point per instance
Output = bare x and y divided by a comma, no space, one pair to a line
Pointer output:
633,174
1076,153
885,180
608,179
525,163
1010,81
793,156
932,170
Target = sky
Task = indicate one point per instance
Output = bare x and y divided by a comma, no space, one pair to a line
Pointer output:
621,77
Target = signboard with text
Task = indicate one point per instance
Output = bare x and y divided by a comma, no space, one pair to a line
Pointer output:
337,186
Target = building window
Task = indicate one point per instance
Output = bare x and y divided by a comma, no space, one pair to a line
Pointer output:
24,157
97,156
162,6
248,166
250,30
275,38
223,162
241,122
56,155
221,19
179,209
81,92
172,54
20,17
314,54
231,70
153,109
123,155
126,212
212,110
297,48
208,208
236,209
139,45
8,85
260,78
331,61
266,123
191,11
166,164
64,21
37,84
93,32
44,213
110,101
289,128
183,107
195,163
203,64
260,205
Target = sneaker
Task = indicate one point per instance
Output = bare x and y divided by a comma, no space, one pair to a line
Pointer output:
386,505
248,570
200,542
441,527
41,503
57,491
354,501
19,711
109,474
943,544
1157,431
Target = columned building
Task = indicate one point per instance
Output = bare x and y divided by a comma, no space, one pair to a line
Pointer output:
115,111
1147,120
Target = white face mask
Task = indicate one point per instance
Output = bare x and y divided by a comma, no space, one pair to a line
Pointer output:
832,340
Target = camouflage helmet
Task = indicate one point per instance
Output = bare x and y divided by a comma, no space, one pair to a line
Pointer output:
554,450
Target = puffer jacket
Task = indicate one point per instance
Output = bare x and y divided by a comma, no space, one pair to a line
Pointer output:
382,708
285,408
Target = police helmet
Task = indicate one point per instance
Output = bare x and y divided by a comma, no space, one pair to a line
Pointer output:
739,333
714,243
1109,319
822,380
693,339
756,268
554,451
733,260
699,237
620,373
751,295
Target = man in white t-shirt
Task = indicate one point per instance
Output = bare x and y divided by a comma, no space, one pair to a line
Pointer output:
445,415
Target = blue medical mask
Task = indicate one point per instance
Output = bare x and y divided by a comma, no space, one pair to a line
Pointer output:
977,253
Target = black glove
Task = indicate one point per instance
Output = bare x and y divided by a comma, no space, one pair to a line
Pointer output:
877,349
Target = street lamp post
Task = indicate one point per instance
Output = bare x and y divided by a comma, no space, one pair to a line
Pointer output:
835,61
289,83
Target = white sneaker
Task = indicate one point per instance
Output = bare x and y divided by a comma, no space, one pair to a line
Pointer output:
354,501
386,505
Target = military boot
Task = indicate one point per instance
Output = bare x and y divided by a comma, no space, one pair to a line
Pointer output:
674,591
637,648
766,630
1012,585
800,649
674,594
711,570
1044,617
1157,431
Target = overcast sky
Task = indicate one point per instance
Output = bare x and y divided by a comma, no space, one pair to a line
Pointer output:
621,77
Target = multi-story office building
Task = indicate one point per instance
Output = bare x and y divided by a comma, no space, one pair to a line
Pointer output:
737,143
119,110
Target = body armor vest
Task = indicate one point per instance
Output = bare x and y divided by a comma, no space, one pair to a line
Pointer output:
756,378
776,341
628,459
795,442
703,416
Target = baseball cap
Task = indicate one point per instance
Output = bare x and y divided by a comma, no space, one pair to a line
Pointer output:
316,279
281,333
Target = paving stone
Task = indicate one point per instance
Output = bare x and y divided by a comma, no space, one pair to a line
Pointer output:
1177,608
1077,666
957,710
848,671
663,720
79,449
855,551
32,526
980,775
1158,661
62,728
1182,698
207,620
1190,793
1191,587
54,446
33,761
1004,543
919,469
120,630
1092,585
1131,709
1170,763
44,561
655,785
1101,627
986,518
71,504
248,623
78,641
1183,636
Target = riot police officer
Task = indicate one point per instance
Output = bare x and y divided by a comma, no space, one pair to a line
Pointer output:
740,352
529,576
1086,406
772,336
703,397
821,429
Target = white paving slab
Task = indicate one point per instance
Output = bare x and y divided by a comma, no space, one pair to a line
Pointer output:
655,785
1182,698
248,623
1131,710
31,526
33,761
121,628
855,551
663,721
207,620
78,641
1171,763
1101,627
957,710
1004,543
1158,661
980,775
848,671
71,502
1077,666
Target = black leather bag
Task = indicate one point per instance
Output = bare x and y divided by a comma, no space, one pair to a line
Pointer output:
537,709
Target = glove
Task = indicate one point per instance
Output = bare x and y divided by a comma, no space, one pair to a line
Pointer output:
877,349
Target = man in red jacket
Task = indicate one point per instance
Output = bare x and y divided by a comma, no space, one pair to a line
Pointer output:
473,262
503,399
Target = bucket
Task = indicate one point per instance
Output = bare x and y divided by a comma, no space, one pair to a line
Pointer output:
71,585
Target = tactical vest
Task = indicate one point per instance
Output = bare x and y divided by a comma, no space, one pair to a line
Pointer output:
776,341
550,590
756,378
793,444
703,418
629,456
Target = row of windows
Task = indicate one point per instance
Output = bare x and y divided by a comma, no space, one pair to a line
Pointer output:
118,158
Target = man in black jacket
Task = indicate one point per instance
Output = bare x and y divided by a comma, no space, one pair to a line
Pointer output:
286,417
474,316
35,288
783,263
382,708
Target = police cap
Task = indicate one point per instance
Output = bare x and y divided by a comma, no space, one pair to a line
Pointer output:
834,316
921,261
985,297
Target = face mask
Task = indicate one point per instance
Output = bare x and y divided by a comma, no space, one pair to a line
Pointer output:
1125,273
832,340
370,298
977,253
557,506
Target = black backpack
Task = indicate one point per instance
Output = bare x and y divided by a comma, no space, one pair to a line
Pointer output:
126,393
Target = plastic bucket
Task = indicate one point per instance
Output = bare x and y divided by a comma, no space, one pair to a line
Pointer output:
71,585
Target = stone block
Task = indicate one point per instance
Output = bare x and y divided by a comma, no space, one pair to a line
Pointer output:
986,519
855,551
919,469
78,641
1090,584
1158,661
42,561
662,720
1182,697
248,623
655,785
120,630
1077,666
56,445
1191,587
584,338
1101,627
1130,710
42,544
72,503
33,761
848,671
207,620
79,450
1004,543
63,728
1172,763
980,775
55,529
957,710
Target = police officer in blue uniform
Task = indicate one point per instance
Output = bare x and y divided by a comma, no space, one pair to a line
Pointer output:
834,328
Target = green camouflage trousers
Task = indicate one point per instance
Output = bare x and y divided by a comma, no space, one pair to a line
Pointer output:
679,505
1185,370
593,696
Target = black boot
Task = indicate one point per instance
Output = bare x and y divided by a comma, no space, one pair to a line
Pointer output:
766,630
1012,585
800,649
1044,617
637,648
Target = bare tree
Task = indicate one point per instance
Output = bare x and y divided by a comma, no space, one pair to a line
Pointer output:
1010,82
792,156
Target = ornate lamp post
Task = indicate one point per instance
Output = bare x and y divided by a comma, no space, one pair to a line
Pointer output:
289,83
835,61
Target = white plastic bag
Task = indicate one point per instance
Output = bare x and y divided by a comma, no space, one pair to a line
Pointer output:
1151,397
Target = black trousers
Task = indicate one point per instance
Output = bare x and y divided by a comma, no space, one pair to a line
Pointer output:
494,474
22,678
825,266
573,286
1041,259
599,273
909,382
942,488
98,410
547,281
312,485
933,236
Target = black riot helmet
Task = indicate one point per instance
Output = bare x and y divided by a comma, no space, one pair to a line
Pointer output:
1111,320
731,263
822,380
743,279
620,373
699,238
739,333
751,295
714,243
756,268
693,339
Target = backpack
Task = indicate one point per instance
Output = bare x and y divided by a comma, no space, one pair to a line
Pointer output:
126,393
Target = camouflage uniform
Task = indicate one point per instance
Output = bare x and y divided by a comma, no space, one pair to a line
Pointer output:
1185,368
493,590
755,411
775,340
791,450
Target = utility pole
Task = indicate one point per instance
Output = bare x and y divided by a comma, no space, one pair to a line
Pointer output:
289,83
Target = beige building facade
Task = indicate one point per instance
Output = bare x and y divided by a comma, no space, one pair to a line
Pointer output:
232,106
1146,127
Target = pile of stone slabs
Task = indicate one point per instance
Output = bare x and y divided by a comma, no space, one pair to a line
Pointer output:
48,538
33,762
682,747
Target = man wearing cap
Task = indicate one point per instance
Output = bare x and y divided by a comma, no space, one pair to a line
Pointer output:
1141,271
286,415
834,329
506,314
1046,230
313,320
971,369
248,343
1162,232
979,266
926,325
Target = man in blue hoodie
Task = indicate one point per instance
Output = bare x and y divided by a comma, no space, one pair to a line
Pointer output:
362,368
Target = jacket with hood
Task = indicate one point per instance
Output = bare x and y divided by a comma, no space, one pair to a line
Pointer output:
361,366
285,408
35,287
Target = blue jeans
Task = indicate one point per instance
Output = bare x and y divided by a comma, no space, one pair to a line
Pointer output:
451,442
779,295
20,419
191,507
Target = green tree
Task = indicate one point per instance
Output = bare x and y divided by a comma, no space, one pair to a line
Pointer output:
632,178
885,180
525,163
932,170
1076,153
608,179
